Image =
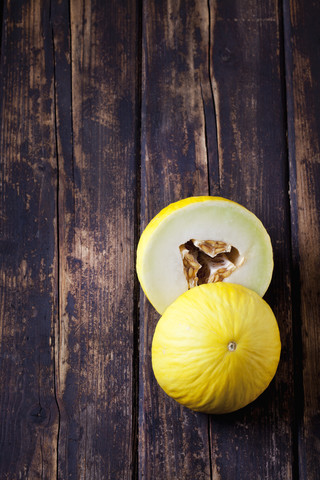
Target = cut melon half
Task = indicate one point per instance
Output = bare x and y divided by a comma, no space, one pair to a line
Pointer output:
201,240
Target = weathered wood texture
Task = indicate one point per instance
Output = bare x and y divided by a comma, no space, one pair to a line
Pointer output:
212,77
109,112
97,121
173,442
75,134
303,85
247,79
28,409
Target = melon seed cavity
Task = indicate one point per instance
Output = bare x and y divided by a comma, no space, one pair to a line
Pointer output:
208,261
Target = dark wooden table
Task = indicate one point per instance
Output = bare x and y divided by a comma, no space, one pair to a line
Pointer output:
110,110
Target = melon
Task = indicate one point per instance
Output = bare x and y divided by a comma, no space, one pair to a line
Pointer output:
216,348
202,240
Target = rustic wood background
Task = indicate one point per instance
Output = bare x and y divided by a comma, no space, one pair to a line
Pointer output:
110,110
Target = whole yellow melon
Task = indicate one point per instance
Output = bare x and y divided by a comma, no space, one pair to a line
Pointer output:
216,348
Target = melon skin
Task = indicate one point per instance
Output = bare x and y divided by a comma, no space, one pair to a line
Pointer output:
159,265
216,348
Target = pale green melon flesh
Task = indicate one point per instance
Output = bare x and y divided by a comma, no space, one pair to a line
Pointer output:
160,266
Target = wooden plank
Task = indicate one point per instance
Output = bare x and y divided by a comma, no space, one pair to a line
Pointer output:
209,95
246,69
173,441
28,249
97,207
301,20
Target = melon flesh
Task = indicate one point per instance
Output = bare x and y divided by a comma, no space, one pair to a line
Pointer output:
200,223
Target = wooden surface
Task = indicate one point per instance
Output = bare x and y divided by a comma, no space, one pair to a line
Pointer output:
109,112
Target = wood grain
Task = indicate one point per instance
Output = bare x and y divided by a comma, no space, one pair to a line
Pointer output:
246,70
303,83
173,441
109,111
219,111
97,145
28,265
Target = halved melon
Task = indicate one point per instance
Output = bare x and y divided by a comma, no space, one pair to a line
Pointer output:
202,240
